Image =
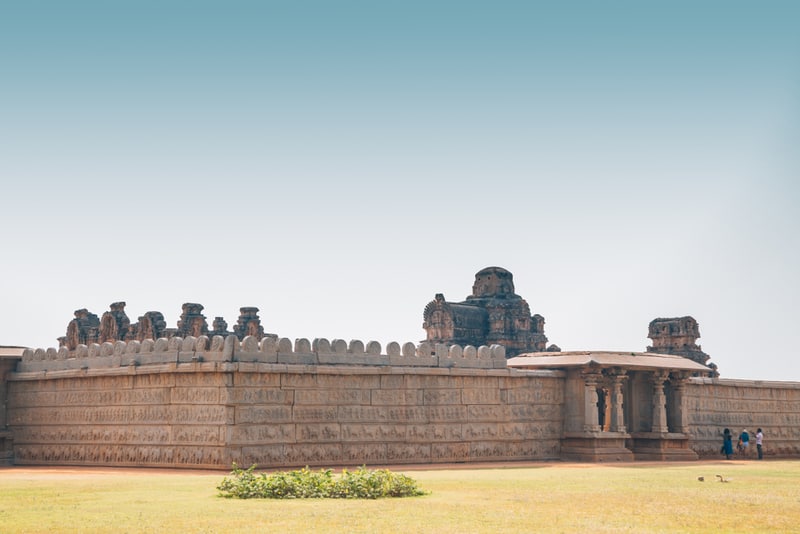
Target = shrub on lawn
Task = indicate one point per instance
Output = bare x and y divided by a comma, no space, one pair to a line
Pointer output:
304,483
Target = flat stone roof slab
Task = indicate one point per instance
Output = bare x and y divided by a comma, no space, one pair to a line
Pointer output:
630,360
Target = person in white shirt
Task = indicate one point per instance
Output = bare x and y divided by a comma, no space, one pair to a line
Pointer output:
759,441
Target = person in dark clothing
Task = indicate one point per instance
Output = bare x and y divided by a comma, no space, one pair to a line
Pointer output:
727,443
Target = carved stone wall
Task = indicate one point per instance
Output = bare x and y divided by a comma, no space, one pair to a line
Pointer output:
209,414
199,402
715,404
140,419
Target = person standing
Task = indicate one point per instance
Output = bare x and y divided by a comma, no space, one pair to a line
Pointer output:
727,443
759,442
744,439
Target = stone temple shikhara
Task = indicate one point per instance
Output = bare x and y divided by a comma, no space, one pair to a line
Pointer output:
492,314
483,386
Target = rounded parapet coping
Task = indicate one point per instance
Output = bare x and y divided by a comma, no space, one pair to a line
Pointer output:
269,349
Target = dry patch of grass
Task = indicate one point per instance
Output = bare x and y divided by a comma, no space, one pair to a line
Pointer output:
762,496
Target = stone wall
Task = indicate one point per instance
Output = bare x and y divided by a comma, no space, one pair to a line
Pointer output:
169,404
200,402
157,417
715,404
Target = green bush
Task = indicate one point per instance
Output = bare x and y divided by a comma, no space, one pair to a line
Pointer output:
303,483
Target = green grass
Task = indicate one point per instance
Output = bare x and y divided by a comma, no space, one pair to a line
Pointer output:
762,497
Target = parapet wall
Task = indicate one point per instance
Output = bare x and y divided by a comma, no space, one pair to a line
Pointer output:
268,350
715,404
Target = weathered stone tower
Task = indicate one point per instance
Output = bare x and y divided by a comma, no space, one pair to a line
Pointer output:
493,314
678,336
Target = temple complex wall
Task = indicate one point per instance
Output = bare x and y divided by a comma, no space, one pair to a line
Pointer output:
715,404
205,403
104,405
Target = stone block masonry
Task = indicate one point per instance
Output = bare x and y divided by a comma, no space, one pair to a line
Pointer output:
208,402
716,404
199,403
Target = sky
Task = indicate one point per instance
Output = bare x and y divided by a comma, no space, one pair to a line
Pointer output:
337,164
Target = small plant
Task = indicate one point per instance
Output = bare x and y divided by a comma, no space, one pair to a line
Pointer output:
304,483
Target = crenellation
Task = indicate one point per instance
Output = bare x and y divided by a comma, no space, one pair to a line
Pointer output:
217,344
302,346
284,346
201,343
320,345
106,349
229,347
426,350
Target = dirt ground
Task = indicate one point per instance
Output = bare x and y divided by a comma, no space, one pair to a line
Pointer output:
68,472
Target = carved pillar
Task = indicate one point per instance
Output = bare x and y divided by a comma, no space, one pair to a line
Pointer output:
590,414
617,402
679,403
659,403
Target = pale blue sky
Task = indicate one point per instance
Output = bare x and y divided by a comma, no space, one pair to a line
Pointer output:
336,164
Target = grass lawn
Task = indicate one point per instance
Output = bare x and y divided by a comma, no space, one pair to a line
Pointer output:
761,497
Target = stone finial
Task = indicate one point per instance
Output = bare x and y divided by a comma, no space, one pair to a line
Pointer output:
219,327
192,322
114,325
249,324
83,329
151,325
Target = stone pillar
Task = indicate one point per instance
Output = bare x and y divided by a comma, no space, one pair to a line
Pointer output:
591,421
679,404
617,401
659,403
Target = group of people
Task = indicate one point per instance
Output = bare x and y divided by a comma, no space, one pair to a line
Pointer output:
743,443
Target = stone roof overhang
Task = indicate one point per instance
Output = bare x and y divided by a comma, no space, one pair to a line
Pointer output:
627,360
8,351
